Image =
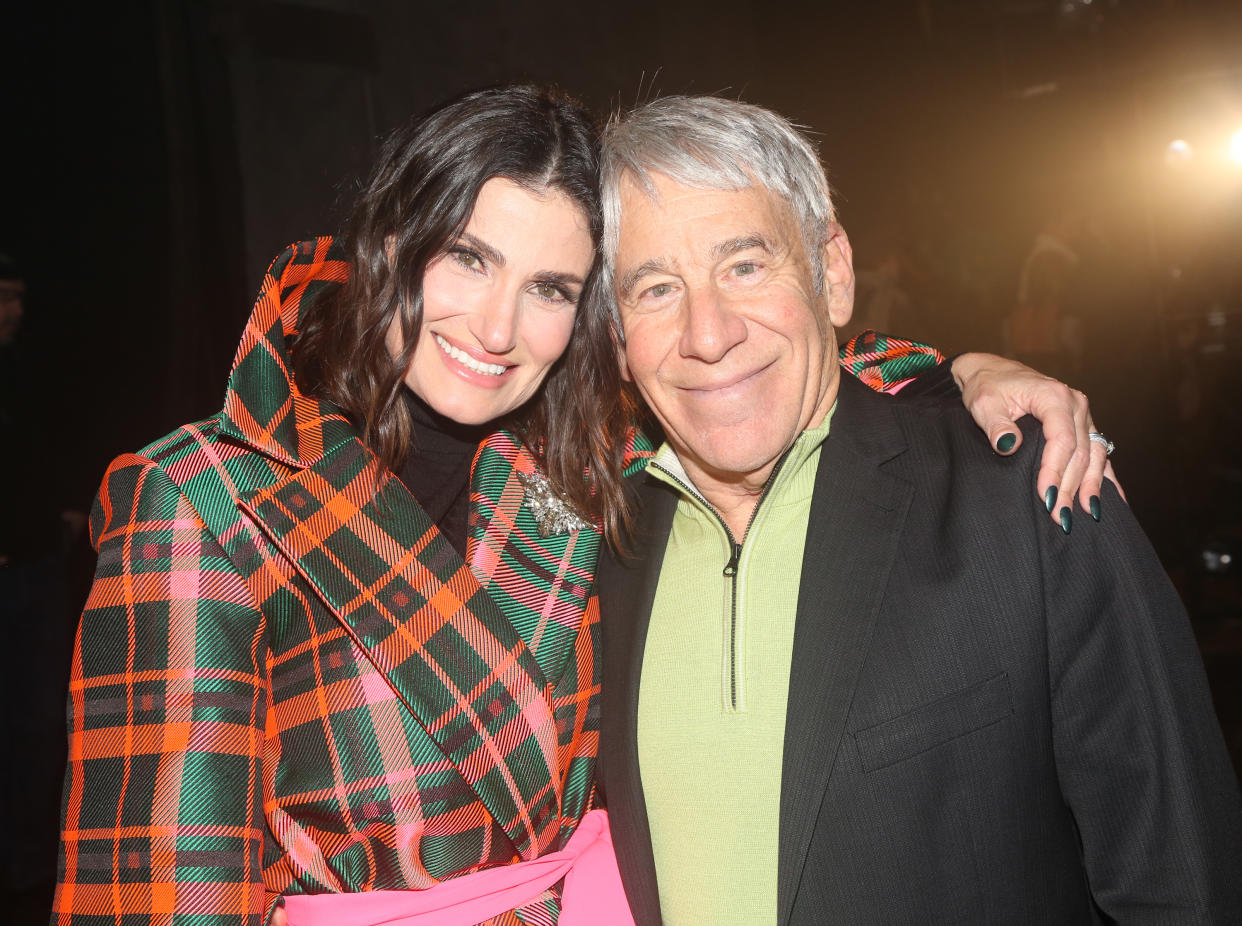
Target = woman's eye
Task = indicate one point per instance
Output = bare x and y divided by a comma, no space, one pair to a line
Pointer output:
659,290
552,292
467,259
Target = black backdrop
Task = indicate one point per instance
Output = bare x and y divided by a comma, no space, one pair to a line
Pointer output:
155,156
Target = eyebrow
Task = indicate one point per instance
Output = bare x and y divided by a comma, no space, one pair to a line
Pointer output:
543,276
482,247
719,251
554,276
741,243
646,268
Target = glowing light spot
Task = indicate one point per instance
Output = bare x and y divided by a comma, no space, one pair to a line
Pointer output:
1179,153
1235,147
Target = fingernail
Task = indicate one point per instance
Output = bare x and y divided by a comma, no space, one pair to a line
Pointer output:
1005,442
1094,502
1067,520
1050,498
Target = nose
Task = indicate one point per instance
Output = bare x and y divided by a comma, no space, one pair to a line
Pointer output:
710,327
495,324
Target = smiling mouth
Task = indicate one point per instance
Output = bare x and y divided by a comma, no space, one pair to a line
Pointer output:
475,366
726,386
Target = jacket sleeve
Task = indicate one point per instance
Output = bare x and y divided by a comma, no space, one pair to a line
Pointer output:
885,363
162,810
1140,757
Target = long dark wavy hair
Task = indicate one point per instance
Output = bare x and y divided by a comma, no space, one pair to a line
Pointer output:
416,202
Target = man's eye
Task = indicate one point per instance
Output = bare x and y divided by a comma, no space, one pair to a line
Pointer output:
659,290
744,269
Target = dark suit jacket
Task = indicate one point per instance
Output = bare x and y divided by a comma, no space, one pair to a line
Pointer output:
988,721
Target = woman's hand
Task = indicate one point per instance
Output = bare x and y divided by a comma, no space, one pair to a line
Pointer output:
998,391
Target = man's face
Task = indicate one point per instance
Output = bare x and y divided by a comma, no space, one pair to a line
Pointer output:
725,336
12,294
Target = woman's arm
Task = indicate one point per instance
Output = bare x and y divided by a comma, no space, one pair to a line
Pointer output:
997,392
163,808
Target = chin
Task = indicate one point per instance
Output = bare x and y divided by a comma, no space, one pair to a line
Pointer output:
471,416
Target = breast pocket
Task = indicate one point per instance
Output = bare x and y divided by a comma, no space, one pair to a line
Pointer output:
937,722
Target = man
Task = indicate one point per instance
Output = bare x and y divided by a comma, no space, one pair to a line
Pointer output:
851,674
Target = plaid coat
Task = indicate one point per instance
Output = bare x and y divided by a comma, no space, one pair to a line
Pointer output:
281,686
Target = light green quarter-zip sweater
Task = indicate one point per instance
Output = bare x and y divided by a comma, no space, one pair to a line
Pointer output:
714,688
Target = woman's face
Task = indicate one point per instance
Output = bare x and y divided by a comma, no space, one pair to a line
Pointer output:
498,305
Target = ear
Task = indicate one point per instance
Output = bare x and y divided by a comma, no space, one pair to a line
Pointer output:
838,258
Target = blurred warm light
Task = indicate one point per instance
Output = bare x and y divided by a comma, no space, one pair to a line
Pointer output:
1235,147
1178,153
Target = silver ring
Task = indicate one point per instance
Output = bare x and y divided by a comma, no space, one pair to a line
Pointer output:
1099,438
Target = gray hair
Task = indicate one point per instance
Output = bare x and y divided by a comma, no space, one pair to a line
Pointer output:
713,144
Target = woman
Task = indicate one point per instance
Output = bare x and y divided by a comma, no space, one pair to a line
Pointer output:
341,637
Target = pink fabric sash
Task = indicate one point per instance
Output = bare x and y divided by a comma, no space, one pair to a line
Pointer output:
593,895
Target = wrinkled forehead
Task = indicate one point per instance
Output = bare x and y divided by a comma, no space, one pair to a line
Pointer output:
650,184
655,204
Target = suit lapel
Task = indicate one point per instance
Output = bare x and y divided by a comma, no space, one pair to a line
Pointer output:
627,591
857,514
418,612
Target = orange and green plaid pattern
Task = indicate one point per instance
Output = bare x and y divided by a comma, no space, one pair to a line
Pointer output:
886,363
281,685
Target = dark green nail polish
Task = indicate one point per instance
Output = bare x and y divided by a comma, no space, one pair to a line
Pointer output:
1094,502
1005,442
1050,497
1067,519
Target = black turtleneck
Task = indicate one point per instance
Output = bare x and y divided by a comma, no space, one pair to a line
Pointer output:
437,471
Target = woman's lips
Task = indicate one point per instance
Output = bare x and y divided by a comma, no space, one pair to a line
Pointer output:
466,363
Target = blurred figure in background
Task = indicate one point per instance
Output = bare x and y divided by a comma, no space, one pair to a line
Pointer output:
1045,328
12,300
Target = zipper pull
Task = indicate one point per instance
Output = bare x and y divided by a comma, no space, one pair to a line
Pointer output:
730,568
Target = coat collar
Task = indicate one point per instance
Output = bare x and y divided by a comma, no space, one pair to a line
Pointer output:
262,407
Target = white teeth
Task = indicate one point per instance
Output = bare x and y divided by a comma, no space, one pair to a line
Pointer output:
487,369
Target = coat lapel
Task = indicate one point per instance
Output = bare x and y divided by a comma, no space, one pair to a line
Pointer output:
542,583
627,591
857,514
418,612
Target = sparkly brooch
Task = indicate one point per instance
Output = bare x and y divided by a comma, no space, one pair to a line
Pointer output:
553,515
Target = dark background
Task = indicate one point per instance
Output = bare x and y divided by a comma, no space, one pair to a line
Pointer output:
155,156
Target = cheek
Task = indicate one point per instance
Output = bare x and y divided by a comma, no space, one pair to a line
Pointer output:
642,349
801,325
548,337
445,293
